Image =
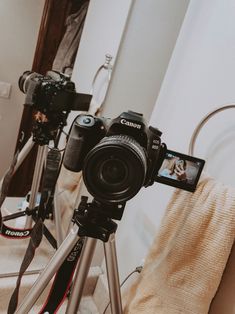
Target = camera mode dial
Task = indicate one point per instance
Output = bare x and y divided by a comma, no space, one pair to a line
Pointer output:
86,121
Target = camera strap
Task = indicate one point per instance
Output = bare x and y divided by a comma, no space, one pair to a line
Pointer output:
35,240
49,181
15,233
6,181
62,280
4,230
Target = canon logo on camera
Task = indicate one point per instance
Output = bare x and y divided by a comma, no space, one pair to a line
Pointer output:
131,124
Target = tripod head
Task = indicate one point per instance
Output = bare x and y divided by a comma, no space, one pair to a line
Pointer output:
45,130
95,219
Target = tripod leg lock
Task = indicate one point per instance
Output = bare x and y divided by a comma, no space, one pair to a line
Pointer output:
31,212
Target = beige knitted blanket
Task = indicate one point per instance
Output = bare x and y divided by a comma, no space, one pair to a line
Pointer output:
186,261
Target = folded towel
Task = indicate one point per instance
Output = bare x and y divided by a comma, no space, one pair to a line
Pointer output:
68,188
186,261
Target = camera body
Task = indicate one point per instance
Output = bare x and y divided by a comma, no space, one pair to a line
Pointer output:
47,94
118,156
53,96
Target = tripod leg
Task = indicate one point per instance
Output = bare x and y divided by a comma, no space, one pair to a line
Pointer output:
36,182
49,271
22,155
57,219
76,204
81,275
113,276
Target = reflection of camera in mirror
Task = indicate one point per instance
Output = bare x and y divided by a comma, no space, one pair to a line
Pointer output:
120,156
52,94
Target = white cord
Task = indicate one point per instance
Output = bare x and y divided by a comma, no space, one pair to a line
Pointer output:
137,270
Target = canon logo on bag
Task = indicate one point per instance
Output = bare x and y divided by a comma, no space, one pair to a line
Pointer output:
131,124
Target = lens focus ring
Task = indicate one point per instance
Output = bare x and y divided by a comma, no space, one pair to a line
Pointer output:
125,140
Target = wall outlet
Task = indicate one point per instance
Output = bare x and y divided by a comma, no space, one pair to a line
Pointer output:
5,89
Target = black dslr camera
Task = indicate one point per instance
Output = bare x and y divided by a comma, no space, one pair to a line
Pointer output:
54,96
53,93
120,156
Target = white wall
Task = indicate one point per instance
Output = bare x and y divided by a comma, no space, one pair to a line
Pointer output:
143,56
200,77
104,25
102,32
19,26
142,61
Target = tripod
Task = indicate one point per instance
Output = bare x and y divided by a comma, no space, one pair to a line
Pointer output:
39,165
43,132
92,221
32,199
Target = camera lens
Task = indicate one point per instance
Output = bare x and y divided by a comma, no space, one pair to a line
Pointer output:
115,169
22,80
25,79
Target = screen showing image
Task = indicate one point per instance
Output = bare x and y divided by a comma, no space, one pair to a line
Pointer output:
180,170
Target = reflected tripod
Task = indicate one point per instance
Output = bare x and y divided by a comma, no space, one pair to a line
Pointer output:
41,139
34,188
92,221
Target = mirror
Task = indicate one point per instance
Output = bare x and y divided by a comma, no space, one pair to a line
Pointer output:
19,27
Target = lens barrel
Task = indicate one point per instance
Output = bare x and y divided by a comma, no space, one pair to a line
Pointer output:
25,80
22,80
115,169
